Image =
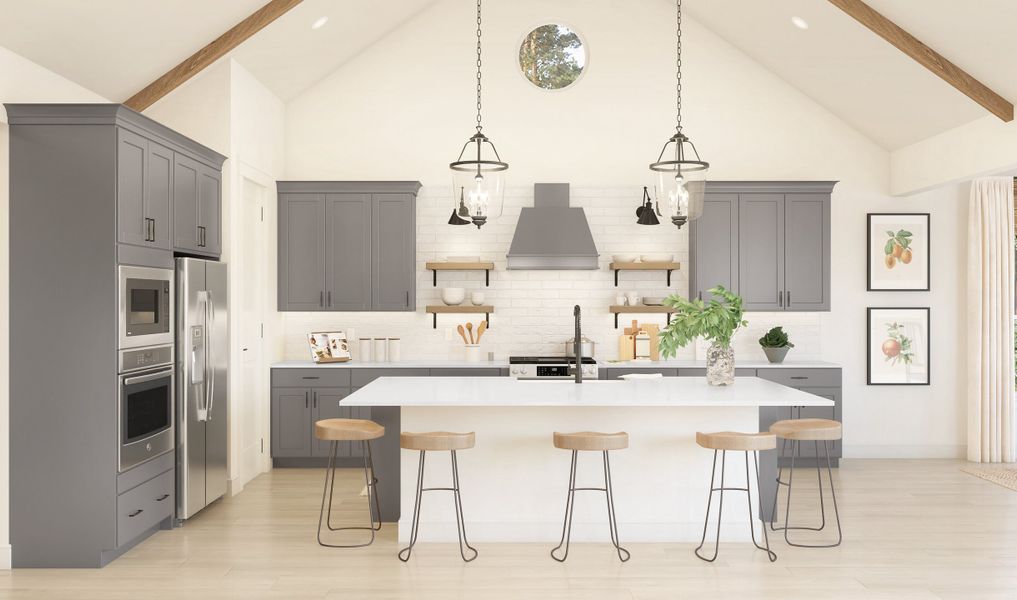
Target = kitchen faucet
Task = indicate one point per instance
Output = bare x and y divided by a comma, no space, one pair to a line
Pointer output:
578,348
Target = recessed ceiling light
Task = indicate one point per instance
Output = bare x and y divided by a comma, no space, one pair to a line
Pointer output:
322,20
799,22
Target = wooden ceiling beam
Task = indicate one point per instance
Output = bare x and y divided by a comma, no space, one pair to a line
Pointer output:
212,52
927,57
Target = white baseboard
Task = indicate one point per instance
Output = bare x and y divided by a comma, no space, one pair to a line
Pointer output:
902,451
5,557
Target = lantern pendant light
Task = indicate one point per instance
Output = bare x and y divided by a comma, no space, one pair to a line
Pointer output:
681,173
478,181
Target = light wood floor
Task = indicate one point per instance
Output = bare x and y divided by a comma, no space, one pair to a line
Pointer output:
913,530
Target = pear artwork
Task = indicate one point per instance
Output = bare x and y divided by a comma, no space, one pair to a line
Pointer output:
898,248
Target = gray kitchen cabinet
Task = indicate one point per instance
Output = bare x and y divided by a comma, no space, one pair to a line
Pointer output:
713,240
347,246
143,190
767,241
701,372
824,382
291,416
301,252
348,251
616,373
326,403
197,207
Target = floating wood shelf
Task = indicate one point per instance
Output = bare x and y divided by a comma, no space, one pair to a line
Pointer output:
437,309
642,309
645,266
486,267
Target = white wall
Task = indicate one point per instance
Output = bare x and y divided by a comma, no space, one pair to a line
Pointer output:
403,108
21,81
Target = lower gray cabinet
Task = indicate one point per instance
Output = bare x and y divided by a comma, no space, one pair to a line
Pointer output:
291,418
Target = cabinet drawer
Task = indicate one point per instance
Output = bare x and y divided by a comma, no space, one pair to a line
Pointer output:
144,507
321,377
695,372
145,471
616,373
362,377
802,377
466,372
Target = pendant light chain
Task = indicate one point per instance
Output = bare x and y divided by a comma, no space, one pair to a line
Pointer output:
479,126
678,69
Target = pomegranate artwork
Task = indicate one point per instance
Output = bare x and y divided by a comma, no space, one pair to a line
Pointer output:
897,348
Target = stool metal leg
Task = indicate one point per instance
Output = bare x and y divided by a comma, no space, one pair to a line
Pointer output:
464,544
404,554
329,488
566,529
623,554
752,515
720,508
796,452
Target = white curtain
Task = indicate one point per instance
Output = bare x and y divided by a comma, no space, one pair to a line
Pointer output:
992,411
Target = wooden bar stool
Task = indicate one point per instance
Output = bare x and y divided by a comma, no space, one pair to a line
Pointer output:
593,442
349,430
738,442
438,441
797,431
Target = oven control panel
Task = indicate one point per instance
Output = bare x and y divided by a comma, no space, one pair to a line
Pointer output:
145,358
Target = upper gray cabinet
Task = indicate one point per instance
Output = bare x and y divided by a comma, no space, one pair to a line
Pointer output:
767,241
144,180
347,246
197,206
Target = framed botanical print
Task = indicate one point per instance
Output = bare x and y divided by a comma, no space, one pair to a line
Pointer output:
898,346
898,252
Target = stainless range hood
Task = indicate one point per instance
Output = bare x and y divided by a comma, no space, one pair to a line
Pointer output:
551,234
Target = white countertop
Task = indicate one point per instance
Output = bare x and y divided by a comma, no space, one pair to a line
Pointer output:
506,391
700,364
402,364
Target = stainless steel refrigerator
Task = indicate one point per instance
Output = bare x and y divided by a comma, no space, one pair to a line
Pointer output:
202,348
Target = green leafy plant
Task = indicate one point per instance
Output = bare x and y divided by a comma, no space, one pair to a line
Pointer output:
776,338
715,320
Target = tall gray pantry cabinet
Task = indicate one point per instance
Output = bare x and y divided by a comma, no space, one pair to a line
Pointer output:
92,186
347,245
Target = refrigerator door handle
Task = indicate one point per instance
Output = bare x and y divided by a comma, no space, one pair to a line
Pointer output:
209,356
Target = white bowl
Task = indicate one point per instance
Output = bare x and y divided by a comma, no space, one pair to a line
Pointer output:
653,301
463,259
453,296
477,298
623,258
653,258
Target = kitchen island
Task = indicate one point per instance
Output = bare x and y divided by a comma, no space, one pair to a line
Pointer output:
514,481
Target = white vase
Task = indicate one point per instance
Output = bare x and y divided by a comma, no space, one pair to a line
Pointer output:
720,365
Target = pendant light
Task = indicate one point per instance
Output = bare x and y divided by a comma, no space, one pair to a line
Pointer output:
478,181
681,174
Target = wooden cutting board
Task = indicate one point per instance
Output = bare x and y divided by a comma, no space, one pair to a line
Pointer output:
626,347
654,332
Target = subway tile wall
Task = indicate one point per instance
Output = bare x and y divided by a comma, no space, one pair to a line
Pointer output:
533,309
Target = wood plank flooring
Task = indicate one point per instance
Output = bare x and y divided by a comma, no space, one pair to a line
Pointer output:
912,530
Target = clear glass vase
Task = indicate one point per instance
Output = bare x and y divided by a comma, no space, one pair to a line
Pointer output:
720,365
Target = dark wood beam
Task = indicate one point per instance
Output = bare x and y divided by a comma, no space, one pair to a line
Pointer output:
927,57
209,54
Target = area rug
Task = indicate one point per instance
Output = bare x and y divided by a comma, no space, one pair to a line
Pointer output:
1005,476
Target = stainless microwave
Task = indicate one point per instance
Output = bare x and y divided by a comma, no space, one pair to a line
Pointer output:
146,306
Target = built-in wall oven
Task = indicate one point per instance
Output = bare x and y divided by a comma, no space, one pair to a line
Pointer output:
146,306
145,404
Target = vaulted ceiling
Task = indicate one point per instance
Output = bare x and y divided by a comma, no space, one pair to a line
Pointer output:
116,47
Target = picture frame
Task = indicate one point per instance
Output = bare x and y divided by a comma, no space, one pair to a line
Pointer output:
898,345
898,252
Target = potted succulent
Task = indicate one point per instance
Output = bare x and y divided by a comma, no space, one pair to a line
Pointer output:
775,344
715,321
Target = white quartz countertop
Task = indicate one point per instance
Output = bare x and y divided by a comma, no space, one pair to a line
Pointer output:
699,364
506,391
402,364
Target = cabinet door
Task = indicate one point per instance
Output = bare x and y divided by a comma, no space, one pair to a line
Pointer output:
761,251
713,244
158,193
291,422
823,412
301,252
186,177
348,251
209,210
325,402
132,174
393,252
807,252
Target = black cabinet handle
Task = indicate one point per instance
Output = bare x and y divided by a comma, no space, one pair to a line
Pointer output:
153,230
789,298
330,298
314,395
135,513
315,377
161,498
407,298
799,377
307,399
780,299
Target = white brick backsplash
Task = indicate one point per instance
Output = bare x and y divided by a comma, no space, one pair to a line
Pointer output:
533,309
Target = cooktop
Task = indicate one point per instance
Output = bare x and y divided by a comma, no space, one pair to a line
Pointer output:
548,360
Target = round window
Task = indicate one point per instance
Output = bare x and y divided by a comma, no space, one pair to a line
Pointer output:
552,56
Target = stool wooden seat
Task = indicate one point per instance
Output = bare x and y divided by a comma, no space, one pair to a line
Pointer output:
807,429
733,440
591,441
347,430
437,441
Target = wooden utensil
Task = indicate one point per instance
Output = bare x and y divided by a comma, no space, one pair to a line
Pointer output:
469,328
481,329
462,334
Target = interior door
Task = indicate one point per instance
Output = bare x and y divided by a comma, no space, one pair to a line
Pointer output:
348,251
251,381
761,251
